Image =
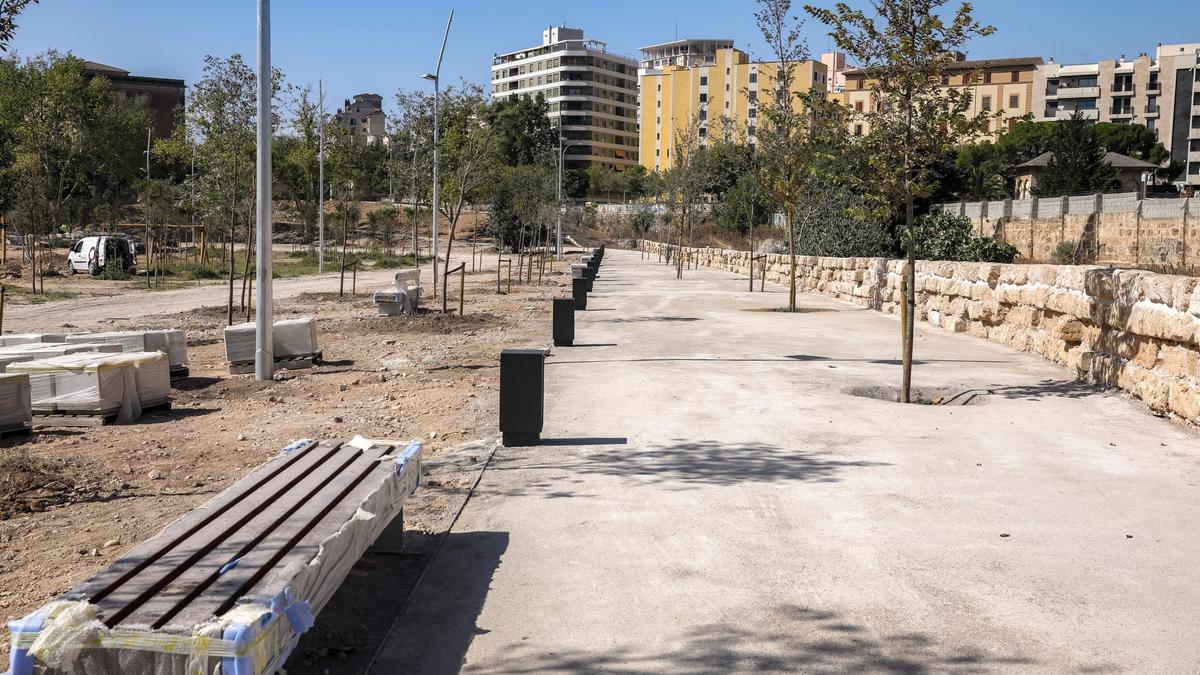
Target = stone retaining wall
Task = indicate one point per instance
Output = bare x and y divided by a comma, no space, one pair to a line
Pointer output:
1134,330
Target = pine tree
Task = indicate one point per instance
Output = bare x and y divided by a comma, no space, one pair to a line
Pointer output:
1078,165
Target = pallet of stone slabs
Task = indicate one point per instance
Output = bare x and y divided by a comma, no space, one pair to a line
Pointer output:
231,585
303,362
85,419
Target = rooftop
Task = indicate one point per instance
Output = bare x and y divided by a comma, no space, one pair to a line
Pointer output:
1116,160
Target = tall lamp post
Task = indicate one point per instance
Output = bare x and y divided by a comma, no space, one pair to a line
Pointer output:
321,179
436,78
562,153
264,357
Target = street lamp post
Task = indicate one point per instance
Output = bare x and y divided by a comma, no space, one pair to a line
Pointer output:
321,179
435,77
562,152
264,357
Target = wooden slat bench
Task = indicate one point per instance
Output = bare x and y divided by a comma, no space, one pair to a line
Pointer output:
229,587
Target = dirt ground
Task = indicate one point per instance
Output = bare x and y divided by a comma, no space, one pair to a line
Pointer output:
71,501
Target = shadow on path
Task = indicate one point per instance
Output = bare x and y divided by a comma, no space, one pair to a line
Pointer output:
802,640
682,466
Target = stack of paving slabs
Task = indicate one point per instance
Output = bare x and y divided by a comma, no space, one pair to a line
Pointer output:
16,412
230,587
28,338
291,339
100,385
173,343
36,351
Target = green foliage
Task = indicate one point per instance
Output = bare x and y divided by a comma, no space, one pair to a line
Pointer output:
1078,164
524,133
1066,252
9,11
944,236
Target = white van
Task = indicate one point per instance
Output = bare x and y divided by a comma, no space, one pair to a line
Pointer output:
95,254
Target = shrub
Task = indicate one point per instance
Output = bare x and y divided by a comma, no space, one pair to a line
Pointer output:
944,236
1065,253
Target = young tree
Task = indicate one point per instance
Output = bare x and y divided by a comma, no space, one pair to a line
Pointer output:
686,183
785,137
914,118
1078,164
468,156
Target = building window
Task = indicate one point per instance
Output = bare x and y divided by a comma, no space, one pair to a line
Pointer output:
753,78
753,96
858,130
753,113
987,77
1016,76
704,98
703,80
987,102
858,106
1014,101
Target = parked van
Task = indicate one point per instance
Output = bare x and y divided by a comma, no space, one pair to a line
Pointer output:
96,254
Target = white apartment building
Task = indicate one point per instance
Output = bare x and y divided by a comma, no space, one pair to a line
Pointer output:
1161,93
592,94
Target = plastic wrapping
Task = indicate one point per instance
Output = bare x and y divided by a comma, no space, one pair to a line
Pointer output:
97,384
35,351
15,407
257,635
28,338
171,342
403,298
290,338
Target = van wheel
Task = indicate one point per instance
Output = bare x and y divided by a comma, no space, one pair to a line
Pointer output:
94,269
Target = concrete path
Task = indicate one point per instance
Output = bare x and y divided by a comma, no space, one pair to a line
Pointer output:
710,500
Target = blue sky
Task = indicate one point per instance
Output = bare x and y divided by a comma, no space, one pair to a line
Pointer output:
385,45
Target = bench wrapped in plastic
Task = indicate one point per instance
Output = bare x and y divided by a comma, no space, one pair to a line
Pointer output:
171,342
98,384
231,586
289,338
16,411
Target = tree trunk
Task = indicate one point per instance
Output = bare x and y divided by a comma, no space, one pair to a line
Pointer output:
791,262
910,302
449,244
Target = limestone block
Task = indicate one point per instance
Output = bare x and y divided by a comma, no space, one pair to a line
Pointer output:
1070,330
1179,361
1184,400
1022,317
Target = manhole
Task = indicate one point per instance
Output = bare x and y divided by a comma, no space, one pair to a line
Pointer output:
923,396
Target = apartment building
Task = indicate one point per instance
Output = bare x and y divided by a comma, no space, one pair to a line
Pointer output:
363,115
1004,86
1160,93
835,66
164,97
713,83
592,94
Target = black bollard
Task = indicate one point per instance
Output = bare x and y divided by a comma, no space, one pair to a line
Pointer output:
579,291
564,322
522,396
589,275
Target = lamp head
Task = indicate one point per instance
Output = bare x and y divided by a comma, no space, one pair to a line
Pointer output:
429,76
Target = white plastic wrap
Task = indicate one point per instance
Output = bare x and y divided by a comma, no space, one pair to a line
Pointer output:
30,338
290,338
35,351
173,343
98,384
15,408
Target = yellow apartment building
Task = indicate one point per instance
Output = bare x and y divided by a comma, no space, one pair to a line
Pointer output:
709,81
1006,86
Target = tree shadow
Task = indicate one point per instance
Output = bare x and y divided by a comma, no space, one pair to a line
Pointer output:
800,639
433,629
1049,389
646,319
194,383
686,466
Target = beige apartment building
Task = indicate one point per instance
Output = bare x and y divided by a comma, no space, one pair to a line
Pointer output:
1160,93
592,94
1004,86
711,82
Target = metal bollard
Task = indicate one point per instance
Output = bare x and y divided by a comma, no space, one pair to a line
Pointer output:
522,396
579,293
564,322
589,275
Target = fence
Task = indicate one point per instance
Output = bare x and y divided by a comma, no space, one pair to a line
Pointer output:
1116,228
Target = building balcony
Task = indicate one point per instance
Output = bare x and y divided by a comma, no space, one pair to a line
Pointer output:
1154,90
1152,112
1075,92
1121,114
1194,133
1088,114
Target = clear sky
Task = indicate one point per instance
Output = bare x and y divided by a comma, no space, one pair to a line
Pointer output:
384,45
